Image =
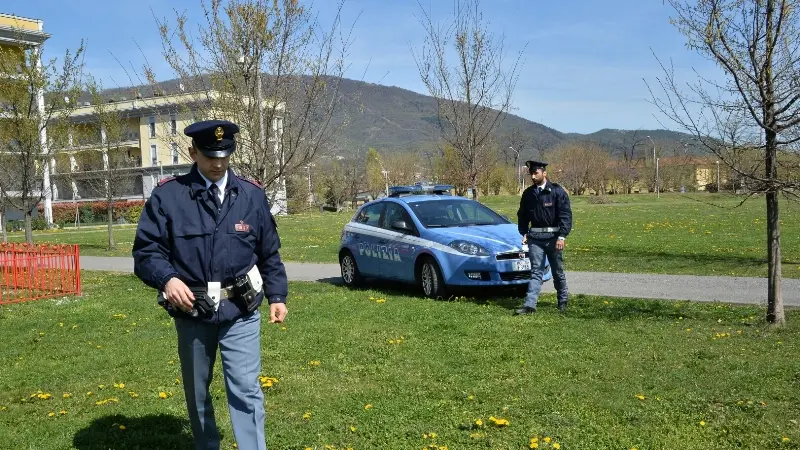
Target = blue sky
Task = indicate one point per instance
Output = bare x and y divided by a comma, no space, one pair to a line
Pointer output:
582,69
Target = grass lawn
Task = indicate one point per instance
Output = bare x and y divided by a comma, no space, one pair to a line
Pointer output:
700,234
370,369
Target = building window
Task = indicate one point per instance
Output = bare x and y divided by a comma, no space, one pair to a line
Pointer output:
154,154
173,124
174,152
152,125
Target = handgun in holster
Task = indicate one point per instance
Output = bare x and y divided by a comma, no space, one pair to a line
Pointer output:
243,289
202,306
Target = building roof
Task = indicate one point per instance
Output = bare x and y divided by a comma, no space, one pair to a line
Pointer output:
17,30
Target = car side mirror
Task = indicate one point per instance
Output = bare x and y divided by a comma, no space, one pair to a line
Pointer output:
402,225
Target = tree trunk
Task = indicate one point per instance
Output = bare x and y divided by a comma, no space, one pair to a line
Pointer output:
774,297
111,244
28,230
3,226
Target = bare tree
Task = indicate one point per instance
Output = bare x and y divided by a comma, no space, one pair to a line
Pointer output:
755,106
113,176
37,96
517,141
470,82
270,67
376,175
579,166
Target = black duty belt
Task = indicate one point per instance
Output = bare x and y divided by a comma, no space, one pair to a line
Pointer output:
543,230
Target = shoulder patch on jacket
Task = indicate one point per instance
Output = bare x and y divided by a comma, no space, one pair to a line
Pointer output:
251,181
166,180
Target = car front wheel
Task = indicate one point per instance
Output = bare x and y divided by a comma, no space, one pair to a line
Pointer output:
350,274
430,279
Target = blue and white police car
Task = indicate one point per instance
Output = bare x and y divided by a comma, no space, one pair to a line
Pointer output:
428,237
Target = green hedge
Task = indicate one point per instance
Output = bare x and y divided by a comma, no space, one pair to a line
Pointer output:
95,211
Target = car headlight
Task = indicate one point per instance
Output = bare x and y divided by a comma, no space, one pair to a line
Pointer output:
469,248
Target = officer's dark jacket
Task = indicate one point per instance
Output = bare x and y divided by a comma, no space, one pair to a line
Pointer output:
550,208
180,234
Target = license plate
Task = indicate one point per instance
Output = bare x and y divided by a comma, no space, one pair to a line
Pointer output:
523,265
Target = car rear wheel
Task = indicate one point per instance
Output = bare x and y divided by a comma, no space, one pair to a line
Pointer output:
430,279
350,274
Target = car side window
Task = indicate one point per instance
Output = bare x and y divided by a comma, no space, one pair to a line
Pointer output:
474,214
393,213
370,215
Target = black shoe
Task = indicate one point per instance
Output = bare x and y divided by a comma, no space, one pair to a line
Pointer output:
562,307
524,311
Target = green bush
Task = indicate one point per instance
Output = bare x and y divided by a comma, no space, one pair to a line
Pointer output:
131,214
38,223
86,213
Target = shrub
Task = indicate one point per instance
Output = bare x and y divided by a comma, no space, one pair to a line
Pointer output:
86,213
599,200
38,223
64,213
132,213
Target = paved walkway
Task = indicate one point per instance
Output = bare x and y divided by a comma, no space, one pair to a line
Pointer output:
672,287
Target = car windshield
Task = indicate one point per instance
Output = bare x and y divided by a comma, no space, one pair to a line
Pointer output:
455,213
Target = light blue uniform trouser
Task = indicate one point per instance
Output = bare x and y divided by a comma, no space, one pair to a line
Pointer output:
538,248
240,348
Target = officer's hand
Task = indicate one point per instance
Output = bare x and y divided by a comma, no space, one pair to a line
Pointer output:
560,244
177,293
524,239
277,312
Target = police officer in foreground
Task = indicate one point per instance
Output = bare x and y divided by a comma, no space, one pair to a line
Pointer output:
208,243
544,221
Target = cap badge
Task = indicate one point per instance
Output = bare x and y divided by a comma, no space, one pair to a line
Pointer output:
219,133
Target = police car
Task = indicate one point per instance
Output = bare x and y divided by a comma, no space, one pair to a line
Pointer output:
428,237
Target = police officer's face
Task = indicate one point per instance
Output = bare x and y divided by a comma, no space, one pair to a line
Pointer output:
538,176
212,168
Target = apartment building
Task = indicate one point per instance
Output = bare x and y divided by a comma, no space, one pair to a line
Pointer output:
147,145
16,35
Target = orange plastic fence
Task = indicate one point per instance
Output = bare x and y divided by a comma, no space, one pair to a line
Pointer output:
32,272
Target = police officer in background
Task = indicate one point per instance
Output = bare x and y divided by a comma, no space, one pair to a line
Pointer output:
544,221
207,241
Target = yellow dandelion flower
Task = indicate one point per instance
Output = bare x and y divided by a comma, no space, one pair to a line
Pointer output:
640,396
133,394
556,445
51,414
62,412
353,428
479,422
368,406
123,427
534,445
67,395
307,415
547,439
89,394
314,363
785,439
162,395
702,423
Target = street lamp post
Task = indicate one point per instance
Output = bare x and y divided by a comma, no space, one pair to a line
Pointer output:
516,163
386,180
656,161
717,175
